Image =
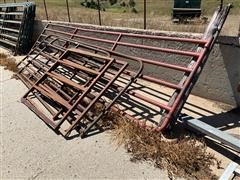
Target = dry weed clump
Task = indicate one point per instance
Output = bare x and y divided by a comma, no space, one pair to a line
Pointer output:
185,157
8,63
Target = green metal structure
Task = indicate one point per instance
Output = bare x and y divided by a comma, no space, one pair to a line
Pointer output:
185,9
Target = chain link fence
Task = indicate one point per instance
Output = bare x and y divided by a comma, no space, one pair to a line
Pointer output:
144,14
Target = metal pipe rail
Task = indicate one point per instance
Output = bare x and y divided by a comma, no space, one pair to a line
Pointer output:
178,100
73,96
44,56
74,34
53,47
192,71
114,53
114,43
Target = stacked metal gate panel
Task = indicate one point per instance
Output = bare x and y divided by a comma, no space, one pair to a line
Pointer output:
71,87
56,38
16,26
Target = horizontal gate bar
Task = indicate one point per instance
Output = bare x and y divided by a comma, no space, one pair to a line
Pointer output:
187,40
186,53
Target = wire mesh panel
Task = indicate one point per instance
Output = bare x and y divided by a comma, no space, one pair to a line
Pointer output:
16,26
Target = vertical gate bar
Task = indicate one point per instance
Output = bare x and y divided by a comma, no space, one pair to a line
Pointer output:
72,36
180,97
109,105
209,36
117,40
40,99
86,92
93,102
70,99
191,76
37,54
40,79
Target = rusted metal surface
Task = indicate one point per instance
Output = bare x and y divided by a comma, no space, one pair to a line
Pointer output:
76,89
44,55
131,49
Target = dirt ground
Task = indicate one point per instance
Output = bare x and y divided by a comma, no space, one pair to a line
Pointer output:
31,150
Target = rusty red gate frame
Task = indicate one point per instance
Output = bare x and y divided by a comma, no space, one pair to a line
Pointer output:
113,40
47,56
73,110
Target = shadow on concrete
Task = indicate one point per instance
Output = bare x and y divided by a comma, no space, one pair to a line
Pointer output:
224,121
142,111
222,150
230,49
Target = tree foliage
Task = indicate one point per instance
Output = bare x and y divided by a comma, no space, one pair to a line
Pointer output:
106,3
112,2
132,3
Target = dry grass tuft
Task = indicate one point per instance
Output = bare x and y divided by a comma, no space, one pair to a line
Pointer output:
184,157
8,63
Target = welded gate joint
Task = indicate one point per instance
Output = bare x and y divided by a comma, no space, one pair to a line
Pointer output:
76,90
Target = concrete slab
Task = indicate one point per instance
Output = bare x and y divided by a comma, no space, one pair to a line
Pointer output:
29,149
